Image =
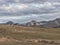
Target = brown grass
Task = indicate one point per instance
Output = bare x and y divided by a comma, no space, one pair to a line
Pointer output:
20,35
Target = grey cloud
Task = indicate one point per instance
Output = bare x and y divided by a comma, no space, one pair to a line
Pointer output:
35,10
22,1
27,1
31,10
53,0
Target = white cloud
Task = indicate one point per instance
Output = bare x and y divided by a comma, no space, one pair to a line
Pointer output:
13,7
22,6
13,17
30,11
56,3
44,5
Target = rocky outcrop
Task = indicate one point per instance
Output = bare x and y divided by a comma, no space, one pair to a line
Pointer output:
33,23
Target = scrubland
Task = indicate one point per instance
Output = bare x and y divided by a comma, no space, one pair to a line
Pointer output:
22,35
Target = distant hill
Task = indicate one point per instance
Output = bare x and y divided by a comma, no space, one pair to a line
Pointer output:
13,23
10,22
53,23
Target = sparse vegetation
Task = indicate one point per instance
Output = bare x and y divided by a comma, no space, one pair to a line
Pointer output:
20,35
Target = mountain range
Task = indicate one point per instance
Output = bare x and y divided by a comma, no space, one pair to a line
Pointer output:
52,23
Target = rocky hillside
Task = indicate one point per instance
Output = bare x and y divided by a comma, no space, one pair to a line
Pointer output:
52,23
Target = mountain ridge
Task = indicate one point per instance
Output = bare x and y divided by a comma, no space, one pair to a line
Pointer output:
52,23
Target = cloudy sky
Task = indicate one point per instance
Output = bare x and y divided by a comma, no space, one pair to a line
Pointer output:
26,10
